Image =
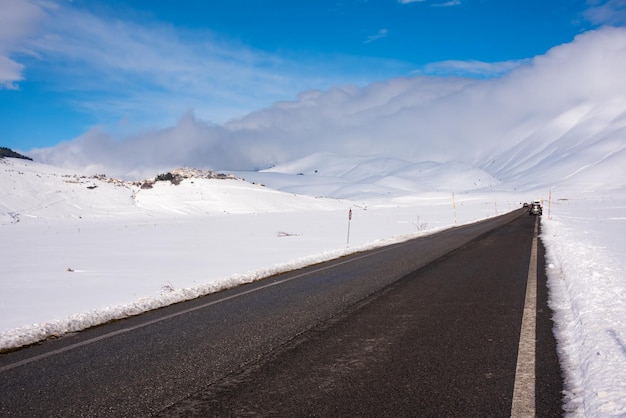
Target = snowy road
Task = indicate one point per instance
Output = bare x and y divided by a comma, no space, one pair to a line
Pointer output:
181,354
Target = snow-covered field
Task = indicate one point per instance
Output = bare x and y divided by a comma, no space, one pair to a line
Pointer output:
585,245
82,250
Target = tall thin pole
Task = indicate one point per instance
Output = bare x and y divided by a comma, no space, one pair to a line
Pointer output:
349,220
549,204
454,207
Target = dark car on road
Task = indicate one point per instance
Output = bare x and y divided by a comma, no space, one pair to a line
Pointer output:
535,208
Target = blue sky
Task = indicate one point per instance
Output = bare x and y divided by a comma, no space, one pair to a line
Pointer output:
128,67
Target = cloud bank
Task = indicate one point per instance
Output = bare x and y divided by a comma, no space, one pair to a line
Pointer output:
571,99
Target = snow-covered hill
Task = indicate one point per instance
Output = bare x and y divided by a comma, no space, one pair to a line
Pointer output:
34,191
582,148
352,177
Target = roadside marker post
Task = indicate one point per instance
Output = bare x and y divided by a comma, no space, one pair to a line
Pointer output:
549,204
454,207
349,220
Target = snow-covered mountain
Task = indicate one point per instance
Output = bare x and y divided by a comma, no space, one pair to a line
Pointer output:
331,175
582,148
32,191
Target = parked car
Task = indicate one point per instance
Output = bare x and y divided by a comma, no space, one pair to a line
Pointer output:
535,208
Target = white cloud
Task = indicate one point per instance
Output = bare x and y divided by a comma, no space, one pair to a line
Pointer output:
572,94
448,3
607,12
17,21
147,73
445,4
472,68
10,73
133,66
380,34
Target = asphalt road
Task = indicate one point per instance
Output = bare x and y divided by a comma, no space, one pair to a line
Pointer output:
429,327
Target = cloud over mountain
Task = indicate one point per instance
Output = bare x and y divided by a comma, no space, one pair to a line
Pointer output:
570,100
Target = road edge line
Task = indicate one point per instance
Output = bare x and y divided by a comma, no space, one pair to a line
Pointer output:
523,404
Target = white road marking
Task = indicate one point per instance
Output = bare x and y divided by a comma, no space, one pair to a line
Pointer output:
524,390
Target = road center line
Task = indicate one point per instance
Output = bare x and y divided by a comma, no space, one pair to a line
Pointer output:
523,404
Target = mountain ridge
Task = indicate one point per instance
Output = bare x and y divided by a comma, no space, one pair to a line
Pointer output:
8,152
